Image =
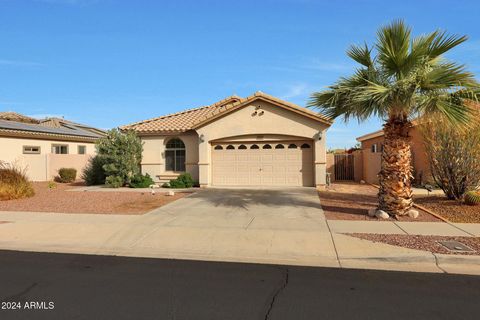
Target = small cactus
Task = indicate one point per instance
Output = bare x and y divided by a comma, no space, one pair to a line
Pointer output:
472,198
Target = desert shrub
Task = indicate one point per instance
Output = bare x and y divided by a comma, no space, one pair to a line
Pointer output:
184,180
141,181
454,156
114,181
472,198
121,154
93,174
14,183
66,175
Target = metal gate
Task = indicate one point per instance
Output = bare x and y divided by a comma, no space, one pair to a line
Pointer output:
344,164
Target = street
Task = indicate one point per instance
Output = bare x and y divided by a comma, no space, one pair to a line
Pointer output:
105,287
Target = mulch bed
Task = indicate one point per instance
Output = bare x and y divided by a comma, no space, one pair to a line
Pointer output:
60,200
425,243
450,209
350,201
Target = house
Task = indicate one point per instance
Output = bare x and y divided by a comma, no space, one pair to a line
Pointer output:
372,146
255,141
44,146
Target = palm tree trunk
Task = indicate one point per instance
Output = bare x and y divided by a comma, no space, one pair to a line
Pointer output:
395,177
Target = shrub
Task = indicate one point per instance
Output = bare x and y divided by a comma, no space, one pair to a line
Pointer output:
140,181
114,181
93,174
184,180
14,183
472,198
66,175
454,156
121,154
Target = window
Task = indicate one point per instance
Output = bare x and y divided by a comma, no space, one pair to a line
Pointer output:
267,146
279,146
242,147
175,155
381,147
60,149
292,146
254,146
218,148
230,147
374,148
82,149
31,150
305,146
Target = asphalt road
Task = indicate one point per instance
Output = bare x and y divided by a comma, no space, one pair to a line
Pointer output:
101,287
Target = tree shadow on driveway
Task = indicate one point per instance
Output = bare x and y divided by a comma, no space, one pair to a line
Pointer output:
245,198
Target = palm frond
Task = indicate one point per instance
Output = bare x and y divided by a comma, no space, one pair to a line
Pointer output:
361,55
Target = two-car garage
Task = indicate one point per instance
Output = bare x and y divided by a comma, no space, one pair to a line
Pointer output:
266,163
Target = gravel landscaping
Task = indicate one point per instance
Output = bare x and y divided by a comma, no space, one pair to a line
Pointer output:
58,199
425,243
351,201
450,209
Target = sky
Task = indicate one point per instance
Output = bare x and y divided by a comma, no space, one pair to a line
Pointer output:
108,63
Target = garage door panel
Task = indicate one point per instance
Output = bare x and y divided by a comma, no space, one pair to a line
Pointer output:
289,167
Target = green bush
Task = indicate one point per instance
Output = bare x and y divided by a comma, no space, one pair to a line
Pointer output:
121,154
114,181
140,181
93,174
66,175
472,198
184,180
14,183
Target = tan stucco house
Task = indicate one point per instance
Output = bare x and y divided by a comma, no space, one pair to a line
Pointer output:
372,146
42,146
254,141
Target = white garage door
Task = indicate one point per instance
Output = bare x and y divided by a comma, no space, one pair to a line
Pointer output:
263,164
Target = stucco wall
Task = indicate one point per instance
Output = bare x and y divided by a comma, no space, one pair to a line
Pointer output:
153,160
371,162
43,166
274,121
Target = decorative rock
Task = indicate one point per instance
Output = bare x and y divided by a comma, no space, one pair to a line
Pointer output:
371,212
380,214
170,193
412,213
362,182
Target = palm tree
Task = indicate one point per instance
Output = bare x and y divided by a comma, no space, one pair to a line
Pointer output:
401,78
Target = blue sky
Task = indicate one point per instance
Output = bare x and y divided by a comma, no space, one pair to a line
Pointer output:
108,63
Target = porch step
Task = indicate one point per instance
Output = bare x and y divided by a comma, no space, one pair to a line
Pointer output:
162,178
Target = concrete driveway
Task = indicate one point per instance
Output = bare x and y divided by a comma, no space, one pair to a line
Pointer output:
276,225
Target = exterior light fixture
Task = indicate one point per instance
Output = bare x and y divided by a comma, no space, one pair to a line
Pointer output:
261,113
201,138
320,135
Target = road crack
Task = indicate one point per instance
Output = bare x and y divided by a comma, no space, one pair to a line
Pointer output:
276,293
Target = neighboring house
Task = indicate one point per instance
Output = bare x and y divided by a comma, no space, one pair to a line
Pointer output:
44,146
372,146
254,141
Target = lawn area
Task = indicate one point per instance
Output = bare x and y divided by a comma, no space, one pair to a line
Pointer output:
351,201
451,209
60,200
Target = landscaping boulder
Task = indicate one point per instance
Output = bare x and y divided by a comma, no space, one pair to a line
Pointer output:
412,213
371,212
380,214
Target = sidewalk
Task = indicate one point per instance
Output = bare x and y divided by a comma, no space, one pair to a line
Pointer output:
162,234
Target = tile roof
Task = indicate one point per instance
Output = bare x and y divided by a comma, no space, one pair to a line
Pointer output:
13,116
194,118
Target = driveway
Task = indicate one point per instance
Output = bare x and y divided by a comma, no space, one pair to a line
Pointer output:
272,226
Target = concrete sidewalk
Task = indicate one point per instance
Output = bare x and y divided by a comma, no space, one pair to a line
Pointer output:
412,228
275,237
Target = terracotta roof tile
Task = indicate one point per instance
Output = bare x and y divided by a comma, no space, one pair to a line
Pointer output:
192,118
